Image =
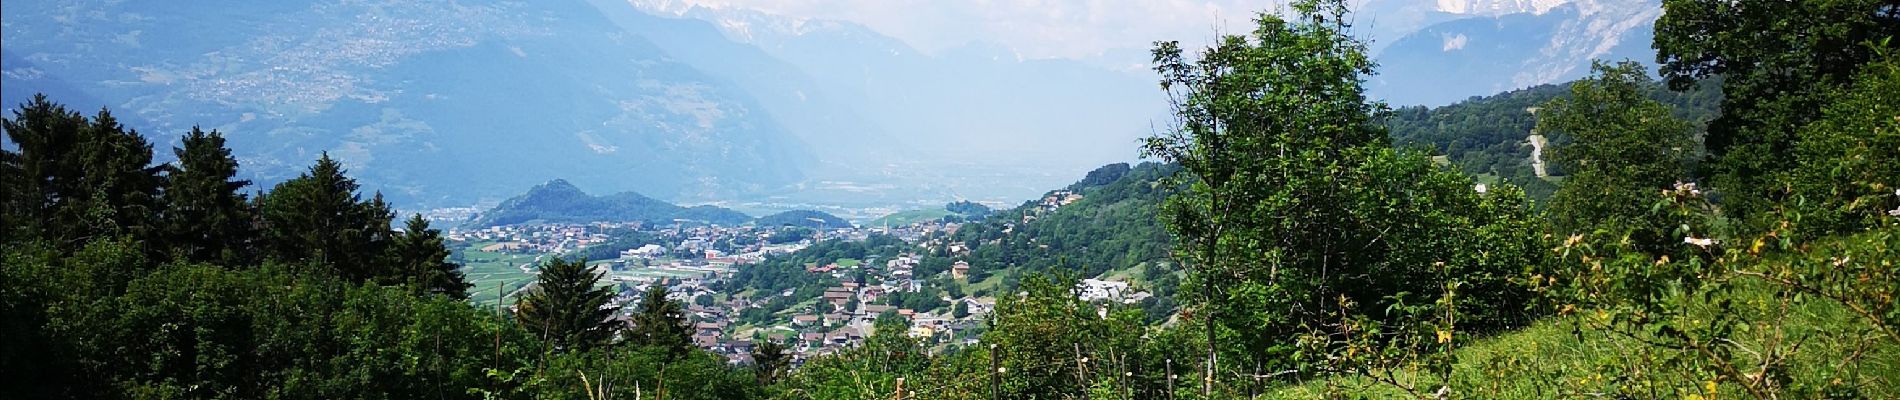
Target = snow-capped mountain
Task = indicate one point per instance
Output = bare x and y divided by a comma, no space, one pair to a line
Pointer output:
1547,41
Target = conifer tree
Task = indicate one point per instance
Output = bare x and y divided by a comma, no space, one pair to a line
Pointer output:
318,217
207,218
566,307
423,260
660,322
769,360
80,179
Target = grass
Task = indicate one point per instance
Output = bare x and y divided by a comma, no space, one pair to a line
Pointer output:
486,270
909,217
1571,357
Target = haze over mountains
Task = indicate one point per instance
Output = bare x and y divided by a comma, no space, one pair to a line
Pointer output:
448,104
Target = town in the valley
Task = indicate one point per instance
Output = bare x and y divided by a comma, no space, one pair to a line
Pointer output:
833,307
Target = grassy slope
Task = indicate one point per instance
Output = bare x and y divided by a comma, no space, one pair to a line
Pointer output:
1555,359
903,218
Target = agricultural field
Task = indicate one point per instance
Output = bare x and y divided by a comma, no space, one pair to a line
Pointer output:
486,270
909,217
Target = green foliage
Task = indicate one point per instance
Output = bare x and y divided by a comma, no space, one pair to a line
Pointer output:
770,362
661,323
1624,148
1316,247
420,256
867,371
318,218
1043,335
1848,178
642,372
1779,61
1488,136
567,307
803,218
207,218
78,179
1111,228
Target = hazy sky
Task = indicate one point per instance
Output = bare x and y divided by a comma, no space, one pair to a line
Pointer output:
1033,28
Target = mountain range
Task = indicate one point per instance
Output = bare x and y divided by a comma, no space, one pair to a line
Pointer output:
451,103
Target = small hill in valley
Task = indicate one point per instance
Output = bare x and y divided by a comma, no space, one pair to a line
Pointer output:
804,218
560,202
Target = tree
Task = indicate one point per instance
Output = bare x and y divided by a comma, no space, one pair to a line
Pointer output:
769,361
1624,148
1302,229
318,217
661,322
421,257
1778,60
81,179
566,307
1850,157
207,219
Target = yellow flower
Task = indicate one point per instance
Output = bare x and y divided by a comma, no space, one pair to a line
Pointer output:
1444,336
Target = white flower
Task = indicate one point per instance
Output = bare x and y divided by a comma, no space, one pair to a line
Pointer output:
1699,242
1480,188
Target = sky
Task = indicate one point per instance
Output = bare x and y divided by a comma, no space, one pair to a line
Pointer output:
1031,28
1082,29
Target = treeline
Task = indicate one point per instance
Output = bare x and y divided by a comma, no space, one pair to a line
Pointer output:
125,278
1487,136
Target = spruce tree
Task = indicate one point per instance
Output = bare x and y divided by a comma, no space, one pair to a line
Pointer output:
208,219
423,260
318,218
661,323
78,179
566,307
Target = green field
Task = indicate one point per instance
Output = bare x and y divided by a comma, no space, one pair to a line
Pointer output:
909,217
487,270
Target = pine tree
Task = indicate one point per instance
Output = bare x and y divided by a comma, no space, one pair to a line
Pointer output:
423,260
566,307
661,322
207,218
318,217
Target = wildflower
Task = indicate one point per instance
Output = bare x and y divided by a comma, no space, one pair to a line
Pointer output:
1698,242
1444,336
1480,188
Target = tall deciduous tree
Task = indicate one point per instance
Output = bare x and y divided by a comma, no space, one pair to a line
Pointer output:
318,217
207,219
661,322
566,307
1778,61
1302,225
423,260
1848,179
1625,147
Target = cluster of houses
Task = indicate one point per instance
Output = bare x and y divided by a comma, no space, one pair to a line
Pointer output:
853,305
541,238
